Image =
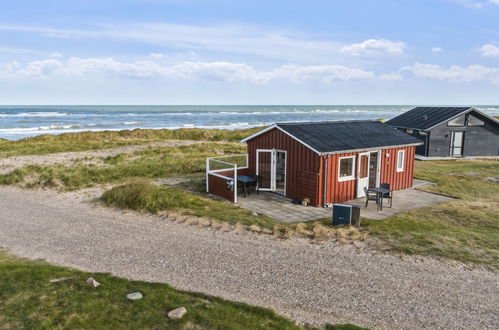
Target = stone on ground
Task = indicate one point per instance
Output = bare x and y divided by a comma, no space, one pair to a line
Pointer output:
134,296
177,313
90,281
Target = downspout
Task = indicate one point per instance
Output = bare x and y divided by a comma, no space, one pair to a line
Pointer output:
324,190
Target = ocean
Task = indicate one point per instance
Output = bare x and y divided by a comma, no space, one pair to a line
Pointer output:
17,122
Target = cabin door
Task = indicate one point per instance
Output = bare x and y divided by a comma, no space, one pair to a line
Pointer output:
265,169
362,174
271,170
456,146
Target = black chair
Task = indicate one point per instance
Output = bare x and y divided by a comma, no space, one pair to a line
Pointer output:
388,195
371,196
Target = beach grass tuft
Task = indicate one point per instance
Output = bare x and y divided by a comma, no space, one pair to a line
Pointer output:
145,196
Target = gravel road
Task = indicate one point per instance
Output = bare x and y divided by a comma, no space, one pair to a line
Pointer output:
315,283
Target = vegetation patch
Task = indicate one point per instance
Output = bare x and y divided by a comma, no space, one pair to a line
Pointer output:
145,196
158,162
37,295
466,229
47,144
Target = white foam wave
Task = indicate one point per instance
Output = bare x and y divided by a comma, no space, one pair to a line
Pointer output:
35,114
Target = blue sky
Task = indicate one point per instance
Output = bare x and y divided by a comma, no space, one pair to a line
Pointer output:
249,52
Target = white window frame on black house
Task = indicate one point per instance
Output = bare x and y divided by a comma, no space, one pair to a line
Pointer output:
352,172
400,167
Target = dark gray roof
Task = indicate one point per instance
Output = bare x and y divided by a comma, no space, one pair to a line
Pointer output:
336,136
424,118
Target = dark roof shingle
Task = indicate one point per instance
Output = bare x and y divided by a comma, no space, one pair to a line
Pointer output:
336,136
423,118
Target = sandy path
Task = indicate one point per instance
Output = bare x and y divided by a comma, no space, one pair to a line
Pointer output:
90,157
311,282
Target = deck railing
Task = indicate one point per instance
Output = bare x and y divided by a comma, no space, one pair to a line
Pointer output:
221,175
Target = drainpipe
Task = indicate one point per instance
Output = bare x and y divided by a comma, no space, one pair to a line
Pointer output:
324,190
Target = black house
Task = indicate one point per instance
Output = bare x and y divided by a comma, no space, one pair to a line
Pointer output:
451,131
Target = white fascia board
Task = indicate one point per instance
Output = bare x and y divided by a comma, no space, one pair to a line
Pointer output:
259,133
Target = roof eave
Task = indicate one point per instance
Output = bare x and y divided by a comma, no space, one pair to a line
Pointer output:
371,149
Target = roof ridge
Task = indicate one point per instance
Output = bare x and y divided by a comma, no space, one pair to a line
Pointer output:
327,122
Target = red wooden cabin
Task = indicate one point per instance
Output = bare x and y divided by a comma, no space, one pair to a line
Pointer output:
330,162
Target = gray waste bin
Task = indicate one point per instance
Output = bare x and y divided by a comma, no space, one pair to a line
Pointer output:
344,214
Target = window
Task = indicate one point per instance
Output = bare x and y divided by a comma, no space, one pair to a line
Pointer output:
459,121
409,131
474,121
346,168
400,160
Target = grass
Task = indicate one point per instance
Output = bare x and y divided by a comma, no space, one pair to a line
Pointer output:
144,196
46,144
466,229
149,163
28,300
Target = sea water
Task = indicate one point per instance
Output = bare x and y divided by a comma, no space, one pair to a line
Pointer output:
17,122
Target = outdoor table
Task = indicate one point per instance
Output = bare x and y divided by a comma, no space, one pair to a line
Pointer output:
380,191
246,181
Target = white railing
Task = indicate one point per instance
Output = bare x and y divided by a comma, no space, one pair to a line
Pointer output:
214,165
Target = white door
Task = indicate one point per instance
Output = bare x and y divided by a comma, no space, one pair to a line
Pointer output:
456,148
362,174
265,169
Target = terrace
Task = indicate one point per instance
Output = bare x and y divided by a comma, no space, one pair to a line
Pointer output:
282,209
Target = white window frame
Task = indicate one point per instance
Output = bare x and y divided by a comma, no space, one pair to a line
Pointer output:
401,168
352,175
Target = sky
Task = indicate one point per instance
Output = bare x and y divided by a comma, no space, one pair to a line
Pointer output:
425,52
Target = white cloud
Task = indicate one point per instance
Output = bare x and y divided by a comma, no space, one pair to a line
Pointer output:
489,50
288,46
391,76
156,55
437,49
214,71
38,68
18,50
374,46
56,55
476,4
454,73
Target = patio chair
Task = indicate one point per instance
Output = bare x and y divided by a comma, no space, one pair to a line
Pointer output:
371,196
387,195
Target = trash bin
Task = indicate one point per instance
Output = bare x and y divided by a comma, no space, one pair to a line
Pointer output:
344,214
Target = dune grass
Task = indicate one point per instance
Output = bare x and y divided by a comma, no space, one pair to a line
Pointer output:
46,144
28,300
149,163
466,229
144,196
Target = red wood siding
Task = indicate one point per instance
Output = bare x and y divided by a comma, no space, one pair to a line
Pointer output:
339,192
389,174
217,185
302,164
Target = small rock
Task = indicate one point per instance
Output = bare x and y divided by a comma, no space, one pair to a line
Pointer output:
255,214
134,296
177,313
90,281
492,179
